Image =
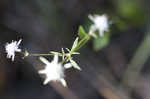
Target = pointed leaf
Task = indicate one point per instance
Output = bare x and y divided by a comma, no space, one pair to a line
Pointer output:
75,65
75,53
44,60
75,43
68,49
82,43
81,32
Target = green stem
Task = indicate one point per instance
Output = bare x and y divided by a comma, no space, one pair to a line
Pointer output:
41,54
64,60
81,43
134,68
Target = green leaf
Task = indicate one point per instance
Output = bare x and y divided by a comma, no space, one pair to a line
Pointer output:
101,42
75,44
82,43
75,65
67,49
44,60
75,53
81,32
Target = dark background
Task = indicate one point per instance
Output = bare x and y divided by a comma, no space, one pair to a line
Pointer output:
49,25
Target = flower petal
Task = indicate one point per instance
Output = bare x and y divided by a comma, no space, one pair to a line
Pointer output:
46,81
55,60
63,82
68,65
41,72
19,42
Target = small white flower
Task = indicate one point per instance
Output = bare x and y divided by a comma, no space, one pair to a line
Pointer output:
54,71
100,23
11,48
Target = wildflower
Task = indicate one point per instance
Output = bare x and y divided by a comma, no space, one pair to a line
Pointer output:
100,23
54,71
11,48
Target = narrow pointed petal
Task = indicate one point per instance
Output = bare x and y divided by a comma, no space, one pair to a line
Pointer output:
46,81
41,72
18,50
68,65
19,41
13,57
55,60
63,82
44,60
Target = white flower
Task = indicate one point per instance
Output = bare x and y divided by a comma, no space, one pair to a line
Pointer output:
100,23
54,71
11,48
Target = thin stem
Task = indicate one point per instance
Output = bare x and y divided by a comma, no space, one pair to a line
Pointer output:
79,46
41,54
134,68
63,61
81,43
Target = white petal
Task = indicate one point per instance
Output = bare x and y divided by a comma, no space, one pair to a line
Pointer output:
68,65
13,57
63,82
55,60
42,72
19,42
18,50
46,81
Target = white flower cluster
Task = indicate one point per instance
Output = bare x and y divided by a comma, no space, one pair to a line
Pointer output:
100,23
11,48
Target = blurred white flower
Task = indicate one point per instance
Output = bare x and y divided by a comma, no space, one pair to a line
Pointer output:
54,71
11,48
100,23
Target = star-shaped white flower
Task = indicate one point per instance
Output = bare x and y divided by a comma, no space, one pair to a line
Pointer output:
54,71
100,23
11,48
